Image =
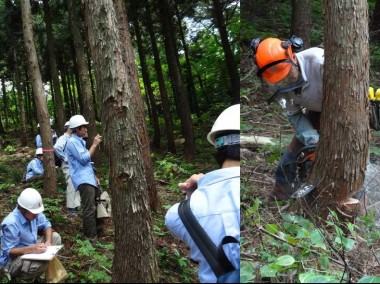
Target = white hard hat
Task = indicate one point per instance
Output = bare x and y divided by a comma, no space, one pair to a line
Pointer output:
228,120
67,123
39,151
77,120
31,200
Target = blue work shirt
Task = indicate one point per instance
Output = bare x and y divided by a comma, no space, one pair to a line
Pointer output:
79,158
38,141
216,206
34,168
60,146
17,232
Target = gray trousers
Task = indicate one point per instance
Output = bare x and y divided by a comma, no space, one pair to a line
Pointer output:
26,270
72,196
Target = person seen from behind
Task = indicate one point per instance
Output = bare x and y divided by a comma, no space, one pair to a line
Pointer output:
72,196
215,196
20,234
83,175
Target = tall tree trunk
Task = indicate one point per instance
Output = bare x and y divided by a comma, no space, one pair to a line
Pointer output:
148,87
161,83
374,26
58,104
190,80
93,89
50,181
23,136
342,152
301,20
228,54
122,121
83,72
183,108
5,102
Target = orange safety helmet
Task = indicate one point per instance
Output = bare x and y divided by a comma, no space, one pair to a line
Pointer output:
273,57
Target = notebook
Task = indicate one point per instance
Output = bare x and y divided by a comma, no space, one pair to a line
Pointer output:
47,255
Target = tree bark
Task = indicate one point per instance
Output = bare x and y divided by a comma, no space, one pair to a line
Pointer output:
230,61
342,152
85,85
161,83
58,104
183,108
301,20
50,181
122,122
23,136
148,87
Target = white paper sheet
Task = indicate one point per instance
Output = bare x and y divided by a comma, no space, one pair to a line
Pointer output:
47,255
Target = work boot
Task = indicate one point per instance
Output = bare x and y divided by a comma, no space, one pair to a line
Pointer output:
280,192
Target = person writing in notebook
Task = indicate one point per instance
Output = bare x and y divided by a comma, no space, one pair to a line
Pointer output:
20,235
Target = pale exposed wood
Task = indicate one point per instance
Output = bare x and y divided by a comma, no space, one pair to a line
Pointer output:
256,140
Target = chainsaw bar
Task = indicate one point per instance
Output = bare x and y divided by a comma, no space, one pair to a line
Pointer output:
303,190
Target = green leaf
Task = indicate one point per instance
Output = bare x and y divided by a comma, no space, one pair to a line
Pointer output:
325,261
291,240
316,278
348,243
302,233
272,228
316,239
268,271
246,272
369,279
285,260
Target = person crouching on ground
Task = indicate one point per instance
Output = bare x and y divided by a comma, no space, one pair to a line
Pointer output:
19,236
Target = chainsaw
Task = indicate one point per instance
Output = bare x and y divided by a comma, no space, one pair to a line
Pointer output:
304,161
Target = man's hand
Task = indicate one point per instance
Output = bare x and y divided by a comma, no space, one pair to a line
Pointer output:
39,248
191,184
97,140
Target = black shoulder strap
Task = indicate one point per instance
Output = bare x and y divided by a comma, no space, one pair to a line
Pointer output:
215,257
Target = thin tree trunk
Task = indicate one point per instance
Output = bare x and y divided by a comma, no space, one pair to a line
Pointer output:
301,20
161,84
228,54
83,72
5,102
148,87
23,136
50,181
183,108
58,104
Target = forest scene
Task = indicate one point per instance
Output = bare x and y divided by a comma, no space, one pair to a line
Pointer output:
150,77
331,233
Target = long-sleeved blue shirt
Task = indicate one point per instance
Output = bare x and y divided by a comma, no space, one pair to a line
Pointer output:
60,146
38,141
34,168
216,206
17,231
81,170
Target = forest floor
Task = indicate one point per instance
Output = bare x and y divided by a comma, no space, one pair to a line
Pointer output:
87,263
266,231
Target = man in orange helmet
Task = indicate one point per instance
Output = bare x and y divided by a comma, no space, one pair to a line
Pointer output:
296,80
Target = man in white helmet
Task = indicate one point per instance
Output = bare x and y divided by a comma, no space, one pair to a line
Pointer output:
19,236
215,196
35,168
82,173
39,138
72,196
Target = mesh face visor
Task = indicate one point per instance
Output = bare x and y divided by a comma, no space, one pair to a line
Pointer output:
293,87
231,139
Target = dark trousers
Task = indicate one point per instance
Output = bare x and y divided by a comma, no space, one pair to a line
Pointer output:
286,171
88,195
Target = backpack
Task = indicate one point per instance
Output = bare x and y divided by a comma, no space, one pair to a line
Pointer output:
215,256
57,160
